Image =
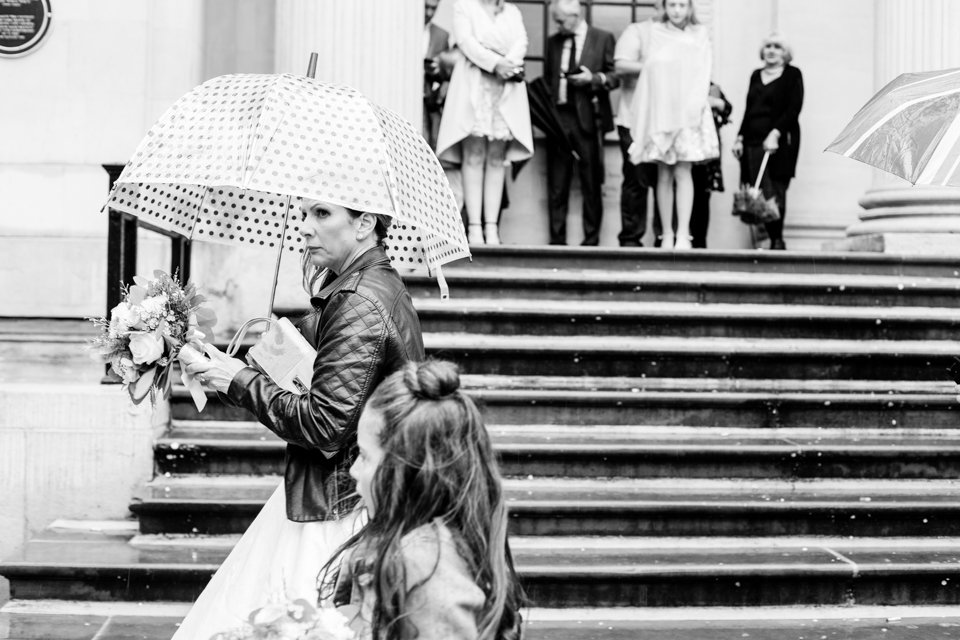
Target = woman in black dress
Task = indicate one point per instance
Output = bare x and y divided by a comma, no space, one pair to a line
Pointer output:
770,124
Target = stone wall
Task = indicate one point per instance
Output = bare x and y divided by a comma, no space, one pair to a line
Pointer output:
69,451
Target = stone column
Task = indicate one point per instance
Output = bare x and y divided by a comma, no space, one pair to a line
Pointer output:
911,35
371,45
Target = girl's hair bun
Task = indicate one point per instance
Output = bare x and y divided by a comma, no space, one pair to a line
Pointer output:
433,379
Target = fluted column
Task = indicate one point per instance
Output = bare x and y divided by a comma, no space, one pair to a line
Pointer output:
374,46
911,35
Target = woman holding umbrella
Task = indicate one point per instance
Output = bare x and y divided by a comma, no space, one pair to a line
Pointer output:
363,327
770,125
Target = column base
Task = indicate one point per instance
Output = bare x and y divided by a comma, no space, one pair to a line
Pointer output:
927,244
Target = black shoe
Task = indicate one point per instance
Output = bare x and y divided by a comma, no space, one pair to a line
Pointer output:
777,245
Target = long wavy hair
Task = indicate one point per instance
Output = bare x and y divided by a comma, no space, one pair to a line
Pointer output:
438,464
312,274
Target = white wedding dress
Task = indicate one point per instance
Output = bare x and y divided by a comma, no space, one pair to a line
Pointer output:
275,560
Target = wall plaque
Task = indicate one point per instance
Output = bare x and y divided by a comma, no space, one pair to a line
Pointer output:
23,25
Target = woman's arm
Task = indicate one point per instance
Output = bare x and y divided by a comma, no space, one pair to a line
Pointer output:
754,77
520,42
628,52
467,41
789,120
349,360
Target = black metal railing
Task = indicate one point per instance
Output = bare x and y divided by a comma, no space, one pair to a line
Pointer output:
122,250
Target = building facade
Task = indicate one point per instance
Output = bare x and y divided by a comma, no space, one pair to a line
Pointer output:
109,68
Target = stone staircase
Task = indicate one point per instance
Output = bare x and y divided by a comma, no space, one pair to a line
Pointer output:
696,444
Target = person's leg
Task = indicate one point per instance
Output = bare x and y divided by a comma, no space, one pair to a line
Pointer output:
591,179
559,173
633,196
474,153
700,218
493,183
665,196
684,199
775,228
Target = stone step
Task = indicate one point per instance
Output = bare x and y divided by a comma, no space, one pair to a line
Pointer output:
672,319
760,262
556,572
644,507
703,401
692,357
63,620
692,287
234,448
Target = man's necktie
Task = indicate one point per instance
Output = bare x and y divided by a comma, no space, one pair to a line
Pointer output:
571,69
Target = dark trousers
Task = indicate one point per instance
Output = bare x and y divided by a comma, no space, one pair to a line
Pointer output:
700,214
771,186
559,174
637,179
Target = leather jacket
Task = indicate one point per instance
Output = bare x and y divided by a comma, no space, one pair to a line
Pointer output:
363,327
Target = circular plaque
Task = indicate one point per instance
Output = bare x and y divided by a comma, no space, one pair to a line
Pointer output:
23,25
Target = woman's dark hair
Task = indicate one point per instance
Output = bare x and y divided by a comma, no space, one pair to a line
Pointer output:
313,274
438,463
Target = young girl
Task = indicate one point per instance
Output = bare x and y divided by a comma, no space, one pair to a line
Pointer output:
433,560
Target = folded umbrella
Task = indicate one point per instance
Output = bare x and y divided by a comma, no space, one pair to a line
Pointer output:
544,116
750,204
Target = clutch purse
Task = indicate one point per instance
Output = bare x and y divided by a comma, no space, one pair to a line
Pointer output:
281,354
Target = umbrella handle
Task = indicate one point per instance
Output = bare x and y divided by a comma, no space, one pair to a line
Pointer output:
763,167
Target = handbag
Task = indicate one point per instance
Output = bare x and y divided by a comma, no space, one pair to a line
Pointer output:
281,354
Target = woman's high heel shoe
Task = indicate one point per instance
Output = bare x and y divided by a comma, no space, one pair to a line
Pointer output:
475,234
666,241
492,233
684,242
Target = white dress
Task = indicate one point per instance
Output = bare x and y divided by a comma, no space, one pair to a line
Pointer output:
672,117
275,560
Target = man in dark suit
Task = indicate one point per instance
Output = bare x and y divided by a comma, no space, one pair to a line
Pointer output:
579,68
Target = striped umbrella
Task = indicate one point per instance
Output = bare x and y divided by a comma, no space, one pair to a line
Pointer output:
911,128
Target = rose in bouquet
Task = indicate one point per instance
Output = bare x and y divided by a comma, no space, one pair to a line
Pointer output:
297,620
145,332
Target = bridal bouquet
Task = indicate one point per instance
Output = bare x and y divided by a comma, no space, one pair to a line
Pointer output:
297,620
141,339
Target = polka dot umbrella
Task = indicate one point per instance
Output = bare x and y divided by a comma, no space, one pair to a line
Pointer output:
230,161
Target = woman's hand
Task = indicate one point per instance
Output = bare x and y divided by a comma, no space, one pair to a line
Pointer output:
216,371
505,69
737,148
772,142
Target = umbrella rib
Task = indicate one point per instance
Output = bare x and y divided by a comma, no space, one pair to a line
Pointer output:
875,126
932,79
196,218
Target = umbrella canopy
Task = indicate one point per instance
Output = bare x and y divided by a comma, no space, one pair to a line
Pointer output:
230,160
911,128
